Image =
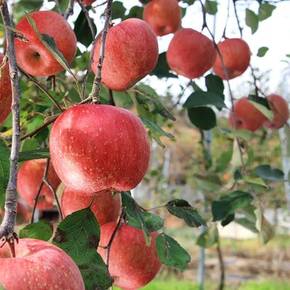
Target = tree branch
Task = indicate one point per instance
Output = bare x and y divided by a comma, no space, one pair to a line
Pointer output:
94,95
9,220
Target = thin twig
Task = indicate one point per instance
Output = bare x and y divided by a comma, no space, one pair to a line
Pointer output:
97,81
9,220
222,266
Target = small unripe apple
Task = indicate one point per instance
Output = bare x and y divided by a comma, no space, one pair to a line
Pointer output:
101,147
279,107
32,56
105,205
131,52
29,178
246,116
164,16
236,57
5,90
190,53
38,265
132,263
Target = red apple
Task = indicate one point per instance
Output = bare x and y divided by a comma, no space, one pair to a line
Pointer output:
5,90
29,179
99,147
131,53
32,56
190,53
279,107
38,265
246,116
164,16
236,56
88,2
132,263
105,205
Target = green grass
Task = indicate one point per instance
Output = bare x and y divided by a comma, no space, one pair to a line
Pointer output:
266,285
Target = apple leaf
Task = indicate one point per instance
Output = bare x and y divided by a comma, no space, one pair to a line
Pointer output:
252,20
211,7
162,69
266,231
214,84
202,117
266,10
171,253
4,171
79,235
138,217
201,98
262,51
34,154
208,237
40,231
182,209
135,12
228,204
118,10
269,173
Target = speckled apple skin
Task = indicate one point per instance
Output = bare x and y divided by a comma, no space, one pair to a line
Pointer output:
132,263
190,53
29,179
279,107
131,53
5,91
236,56
54,25
105,205
246,116
164,16
38,265
99,147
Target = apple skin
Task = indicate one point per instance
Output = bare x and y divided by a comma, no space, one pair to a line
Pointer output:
164,16
32,56
246,116
88,2
106,205
29,179
5,91
132,263
131,53
101,147
38,265
190,53
279,107
236,56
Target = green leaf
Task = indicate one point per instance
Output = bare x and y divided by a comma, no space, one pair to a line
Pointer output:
171,253
211,7
79,235
224,160
4,171
252,20
265,11
266,230
228,204
35,154
214,84
208,237
162,69
138,217
269,173
262,105
118,10
40,231
135,12
255,181
202,117
82,30
200,99
262,51
182,209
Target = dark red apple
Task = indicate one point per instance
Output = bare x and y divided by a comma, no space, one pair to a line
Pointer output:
279,107
246,116
105,205
190,53
99,147
32,56
164,16
132,263
131,53
5,90
236,56
29,178
38,265
88,2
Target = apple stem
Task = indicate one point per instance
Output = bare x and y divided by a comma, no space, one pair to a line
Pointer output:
9,220
95,93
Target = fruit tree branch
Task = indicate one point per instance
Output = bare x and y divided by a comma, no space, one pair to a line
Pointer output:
8,223
94,95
